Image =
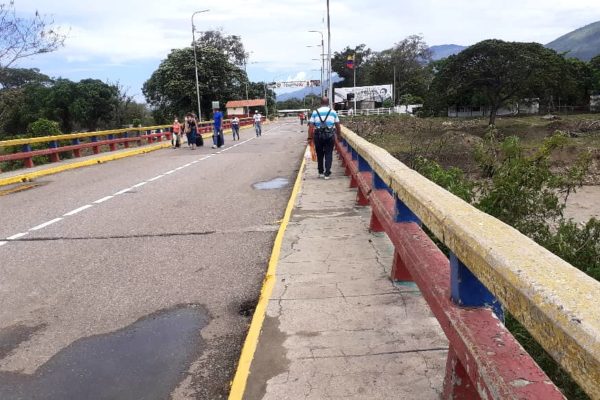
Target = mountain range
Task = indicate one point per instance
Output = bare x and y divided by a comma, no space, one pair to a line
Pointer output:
582,43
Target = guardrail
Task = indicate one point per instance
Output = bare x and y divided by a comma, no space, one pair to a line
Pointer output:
492,268
96,141
370,111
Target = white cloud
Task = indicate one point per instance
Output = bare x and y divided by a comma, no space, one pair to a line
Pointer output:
132,32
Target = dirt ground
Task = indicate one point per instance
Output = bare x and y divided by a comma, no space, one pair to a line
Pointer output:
451,142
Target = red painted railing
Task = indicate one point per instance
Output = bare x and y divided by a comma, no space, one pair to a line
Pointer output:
484,361
111,140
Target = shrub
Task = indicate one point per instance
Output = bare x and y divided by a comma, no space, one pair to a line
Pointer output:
43,127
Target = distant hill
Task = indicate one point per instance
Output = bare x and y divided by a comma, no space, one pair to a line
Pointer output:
582,43
299,94
445,50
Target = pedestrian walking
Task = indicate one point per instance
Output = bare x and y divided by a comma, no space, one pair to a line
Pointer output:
217,128
257,123
176,131
235,127
302,117
187,129
193,128
322,126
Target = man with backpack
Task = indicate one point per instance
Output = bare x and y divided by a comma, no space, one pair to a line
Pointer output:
322,126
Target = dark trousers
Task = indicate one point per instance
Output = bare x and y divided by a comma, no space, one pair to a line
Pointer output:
324,150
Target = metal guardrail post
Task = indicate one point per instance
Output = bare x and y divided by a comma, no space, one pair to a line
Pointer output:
467,291
29,160
112,146
54,157
76,152
95,149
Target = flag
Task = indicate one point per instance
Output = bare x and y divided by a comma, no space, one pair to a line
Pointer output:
350,62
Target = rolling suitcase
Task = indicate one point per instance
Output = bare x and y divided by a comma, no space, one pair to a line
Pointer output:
220,139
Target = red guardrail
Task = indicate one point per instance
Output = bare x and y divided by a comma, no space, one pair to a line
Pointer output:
113,140
484,360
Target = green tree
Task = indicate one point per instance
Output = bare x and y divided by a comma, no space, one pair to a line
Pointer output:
495,73
595,72
93,101
361,55
43,127
171,90
409,58
231,45
11,78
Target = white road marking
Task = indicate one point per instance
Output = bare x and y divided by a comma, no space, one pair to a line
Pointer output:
18,235
45,224
77,210
122,191
155,178
102,200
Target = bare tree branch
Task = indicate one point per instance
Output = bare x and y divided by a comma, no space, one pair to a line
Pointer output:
25,37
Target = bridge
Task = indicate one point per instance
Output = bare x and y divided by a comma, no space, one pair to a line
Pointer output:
178,273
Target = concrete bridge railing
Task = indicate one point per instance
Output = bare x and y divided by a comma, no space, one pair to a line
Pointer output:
101,141
492,269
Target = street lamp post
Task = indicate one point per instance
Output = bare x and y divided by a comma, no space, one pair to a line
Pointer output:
246,72
322,55
330,92
196,62
320,59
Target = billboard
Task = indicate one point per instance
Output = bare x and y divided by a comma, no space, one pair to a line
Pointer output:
294,84
377,93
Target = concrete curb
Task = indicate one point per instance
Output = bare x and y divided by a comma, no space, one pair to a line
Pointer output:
240,379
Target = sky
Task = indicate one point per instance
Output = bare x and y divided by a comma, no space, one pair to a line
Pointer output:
124,41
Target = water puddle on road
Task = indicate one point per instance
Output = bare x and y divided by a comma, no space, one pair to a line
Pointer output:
277,183
145,360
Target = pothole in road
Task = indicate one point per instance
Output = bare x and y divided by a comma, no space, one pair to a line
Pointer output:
145,360
277,183
247,308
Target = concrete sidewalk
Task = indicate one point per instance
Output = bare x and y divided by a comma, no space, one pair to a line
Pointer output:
336,326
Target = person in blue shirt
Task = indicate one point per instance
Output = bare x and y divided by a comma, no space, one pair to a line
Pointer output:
322,126
217,124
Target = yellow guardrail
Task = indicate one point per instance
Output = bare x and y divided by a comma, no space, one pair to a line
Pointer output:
70,136
555,301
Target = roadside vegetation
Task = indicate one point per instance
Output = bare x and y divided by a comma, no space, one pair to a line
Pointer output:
521,171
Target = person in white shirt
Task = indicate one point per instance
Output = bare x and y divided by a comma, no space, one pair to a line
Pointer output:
257,123
235,128
322,126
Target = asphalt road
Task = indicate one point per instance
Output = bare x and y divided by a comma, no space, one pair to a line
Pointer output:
135,279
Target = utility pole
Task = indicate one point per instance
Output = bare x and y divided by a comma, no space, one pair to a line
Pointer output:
196,62
322,57
330,91
266,102
355,65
